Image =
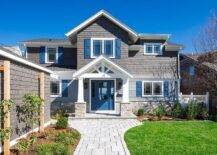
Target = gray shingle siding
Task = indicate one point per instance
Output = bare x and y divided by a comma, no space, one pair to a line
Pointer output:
24,79
69,59
139,64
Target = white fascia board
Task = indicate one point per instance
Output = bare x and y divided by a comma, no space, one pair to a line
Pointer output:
23,61
100,13
97,60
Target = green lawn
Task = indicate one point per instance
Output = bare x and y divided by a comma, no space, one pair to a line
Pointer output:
173,137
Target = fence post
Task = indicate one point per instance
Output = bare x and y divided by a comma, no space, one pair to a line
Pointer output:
6,145
207,100
41,90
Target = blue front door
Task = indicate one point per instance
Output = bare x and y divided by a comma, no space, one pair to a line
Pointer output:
102,95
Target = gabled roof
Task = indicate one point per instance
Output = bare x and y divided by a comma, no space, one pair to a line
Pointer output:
99,60
96,16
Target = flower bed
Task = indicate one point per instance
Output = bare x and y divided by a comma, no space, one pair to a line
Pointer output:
51,141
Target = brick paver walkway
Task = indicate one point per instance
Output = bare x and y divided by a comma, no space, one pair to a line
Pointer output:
102,136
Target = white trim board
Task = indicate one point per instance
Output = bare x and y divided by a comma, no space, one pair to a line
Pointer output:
23,61
97,15
15,141
98,60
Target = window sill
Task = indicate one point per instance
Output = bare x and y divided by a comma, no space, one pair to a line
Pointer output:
152,54
53,96
152,95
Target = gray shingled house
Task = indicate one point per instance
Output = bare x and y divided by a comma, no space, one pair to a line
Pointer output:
24,79
103,66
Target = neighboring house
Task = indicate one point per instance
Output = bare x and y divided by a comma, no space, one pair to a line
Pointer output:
106,67
24,79
199,75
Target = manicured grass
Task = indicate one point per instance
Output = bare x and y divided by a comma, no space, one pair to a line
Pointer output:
173,137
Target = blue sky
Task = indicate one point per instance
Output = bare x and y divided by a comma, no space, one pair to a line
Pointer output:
28,19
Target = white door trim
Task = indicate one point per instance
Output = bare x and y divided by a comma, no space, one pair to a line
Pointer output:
102,111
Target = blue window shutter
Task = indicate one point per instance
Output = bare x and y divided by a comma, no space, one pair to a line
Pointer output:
176,89
117,48
42,55
65,88
86,48
60,55
166,88
138,88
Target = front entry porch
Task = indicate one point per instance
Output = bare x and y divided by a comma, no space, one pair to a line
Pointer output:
97,90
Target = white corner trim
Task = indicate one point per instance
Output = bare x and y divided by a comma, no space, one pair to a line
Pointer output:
97,60
15,141
23,61
99,14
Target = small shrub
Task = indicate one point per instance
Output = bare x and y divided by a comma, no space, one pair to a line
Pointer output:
67,138
202,111
62,122
213,118
192,110
23,145
60,149
160,111
140,112
177,110
44,149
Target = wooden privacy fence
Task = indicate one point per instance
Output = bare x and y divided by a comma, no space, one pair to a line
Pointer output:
5,69
184,99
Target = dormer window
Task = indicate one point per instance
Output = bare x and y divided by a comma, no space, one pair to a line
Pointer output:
104,46
152,48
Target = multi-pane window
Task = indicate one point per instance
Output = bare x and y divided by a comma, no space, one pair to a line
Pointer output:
153,88
152,48
51,55
55,88
102,46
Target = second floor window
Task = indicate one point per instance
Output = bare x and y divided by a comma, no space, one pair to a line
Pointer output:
152,48
102,46
51,55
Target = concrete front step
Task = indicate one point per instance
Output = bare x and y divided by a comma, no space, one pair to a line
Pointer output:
103,116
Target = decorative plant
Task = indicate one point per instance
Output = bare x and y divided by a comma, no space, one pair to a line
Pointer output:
140,112
177,110
24,144
5,132
62,122
31,108
160,111
192,110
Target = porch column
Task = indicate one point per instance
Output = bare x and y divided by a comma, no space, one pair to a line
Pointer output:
125,108
125,97
80,90
80,105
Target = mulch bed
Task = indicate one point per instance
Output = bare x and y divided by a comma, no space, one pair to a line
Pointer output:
48,136
151,117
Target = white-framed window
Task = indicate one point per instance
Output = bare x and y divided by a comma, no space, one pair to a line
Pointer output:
104,46
152,88
55,88
191,70
152,48
51,55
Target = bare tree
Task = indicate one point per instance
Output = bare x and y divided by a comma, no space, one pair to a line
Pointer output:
206,40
